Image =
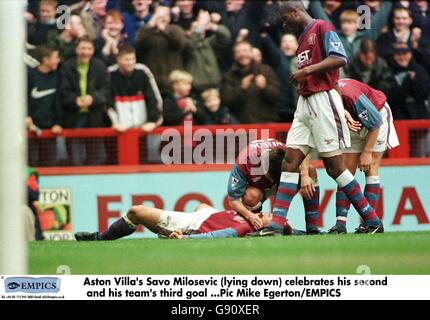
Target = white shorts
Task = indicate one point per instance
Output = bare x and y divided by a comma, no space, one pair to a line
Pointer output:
387,138
319,123
184,221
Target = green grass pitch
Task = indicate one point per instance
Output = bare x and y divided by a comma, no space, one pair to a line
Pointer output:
390,253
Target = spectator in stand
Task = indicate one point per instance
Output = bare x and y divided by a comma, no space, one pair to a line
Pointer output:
85,94
367,67
136,20
250,91
65,42
401,32
184,13
204,37
409,95
180,105
159,45
237,15
329,10
44,107
135,99
257,55
410,91
113,37
284,61
217,114
349,34
421,14
93,18
38,30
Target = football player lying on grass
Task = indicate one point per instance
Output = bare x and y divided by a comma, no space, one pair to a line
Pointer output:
205,222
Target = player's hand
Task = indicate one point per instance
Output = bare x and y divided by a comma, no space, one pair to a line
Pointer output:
353,125
176,235
246,81
299,76
365,162
256,222
260,82
307,187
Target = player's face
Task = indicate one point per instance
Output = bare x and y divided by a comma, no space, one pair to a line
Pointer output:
127,62
290,21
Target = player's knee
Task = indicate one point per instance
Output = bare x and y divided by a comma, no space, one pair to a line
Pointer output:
332,171
135,213
252,196
290,164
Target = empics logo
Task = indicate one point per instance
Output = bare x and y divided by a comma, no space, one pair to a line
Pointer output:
32,285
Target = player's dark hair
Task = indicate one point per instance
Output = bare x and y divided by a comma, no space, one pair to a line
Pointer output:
275,164
45,52
291,5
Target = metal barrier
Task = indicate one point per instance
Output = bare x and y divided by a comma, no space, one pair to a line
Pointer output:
100,147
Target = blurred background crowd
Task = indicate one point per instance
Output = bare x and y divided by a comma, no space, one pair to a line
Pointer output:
146,63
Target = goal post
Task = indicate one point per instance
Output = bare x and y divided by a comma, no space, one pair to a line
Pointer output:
13,249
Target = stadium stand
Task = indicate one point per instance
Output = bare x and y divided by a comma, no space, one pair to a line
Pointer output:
170,34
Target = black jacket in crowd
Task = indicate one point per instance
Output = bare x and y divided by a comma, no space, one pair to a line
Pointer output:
44,106
98,87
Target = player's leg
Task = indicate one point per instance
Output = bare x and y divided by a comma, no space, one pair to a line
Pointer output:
299,143
372,190
346,181
126,225
342,202
312,205
288,187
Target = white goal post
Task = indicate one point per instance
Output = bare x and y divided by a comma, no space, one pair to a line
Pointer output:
13,249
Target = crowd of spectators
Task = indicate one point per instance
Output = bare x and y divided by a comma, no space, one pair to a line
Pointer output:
146,63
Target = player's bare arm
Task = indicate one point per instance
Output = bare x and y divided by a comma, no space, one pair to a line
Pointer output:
307,183
328,64
240,208
365,161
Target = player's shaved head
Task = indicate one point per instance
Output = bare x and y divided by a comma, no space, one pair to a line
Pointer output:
291,5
